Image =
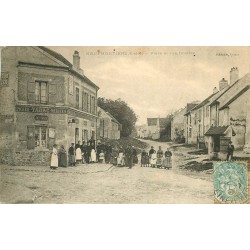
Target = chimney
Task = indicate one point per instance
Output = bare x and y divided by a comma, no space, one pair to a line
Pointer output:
223,84
76,60
215,90
234,75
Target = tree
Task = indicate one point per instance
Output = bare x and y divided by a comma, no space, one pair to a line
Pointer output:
121,112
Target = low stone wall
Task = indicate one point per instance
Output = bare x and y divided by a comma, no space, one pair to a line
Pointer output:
25,158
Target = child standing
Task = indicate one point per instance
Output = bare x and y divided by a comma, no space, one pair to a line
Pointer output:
101,157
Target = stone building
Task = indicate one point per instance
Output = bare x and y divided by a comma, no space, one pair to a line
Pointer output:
178,123
108,126
199,118
45,99
155,126
230,118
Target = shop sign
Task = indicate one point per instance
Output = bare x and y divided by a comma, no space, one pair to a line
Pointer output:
52,133
41,110
41,118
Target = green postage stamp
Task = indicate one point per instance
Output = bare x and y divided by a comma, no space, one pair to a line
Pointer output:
230,182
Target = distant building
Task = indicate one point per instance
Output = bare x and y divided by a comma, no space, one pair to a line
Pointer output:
142,131
155,126
108,126
178,123
44,100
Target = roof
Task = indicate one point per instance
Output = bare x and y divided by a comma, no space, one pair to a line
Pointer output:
215,101
217,130
56,55
62,59
190,106
113,118
204,102
235,97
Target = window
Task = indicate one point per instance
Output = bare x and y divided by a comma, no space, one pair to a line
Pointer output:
41,136
77,98
88,103
207,111
41,92
93,105
85,102
200,114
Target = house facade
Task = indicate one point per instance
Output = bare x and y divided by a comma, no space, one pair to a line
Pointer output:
155,126
45,100
178,123
231,111
108,126
200,118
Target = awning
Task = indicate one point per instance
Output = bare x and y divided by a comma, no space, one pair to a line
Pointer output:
217,130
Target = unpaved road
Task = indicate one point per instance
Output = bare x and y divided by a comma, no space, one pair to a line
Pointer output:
105,184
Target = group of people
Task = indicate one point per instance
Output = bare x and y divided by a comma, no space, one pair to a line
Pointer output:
124,157
103,153
158,159
80,153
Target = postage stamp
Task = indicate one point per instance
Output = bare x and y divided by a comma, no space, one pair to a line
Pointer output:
230,182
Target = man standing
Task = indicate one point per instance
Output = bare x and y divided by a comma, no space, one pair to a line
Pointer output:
230,151
71,155
129,157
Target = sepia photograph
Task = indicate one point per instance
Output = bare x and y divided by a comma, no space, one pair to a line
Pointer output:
124,125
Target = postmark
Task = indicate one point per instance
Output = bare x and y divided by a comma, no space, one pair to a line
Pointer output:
230,182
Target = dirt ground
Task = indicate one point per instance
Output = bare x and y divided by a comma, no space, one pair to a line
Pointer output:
106,184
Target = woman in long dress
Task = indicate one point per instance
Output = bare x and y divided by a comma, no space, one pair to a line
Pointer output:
93,155
54,158
62,157
78,155
159,157
153,160
120,158
167,163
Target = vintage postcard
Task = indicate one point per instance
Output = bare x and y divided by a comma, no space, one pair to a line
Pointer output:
122,125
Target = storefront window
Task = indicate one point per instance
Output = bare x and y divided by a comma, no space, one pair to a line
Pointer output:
40,136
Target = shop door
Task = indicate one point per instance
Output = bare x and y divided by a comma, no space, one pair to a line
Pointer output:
216,143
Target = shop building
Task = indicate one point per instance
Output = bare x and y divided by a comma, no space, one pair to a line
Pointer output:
45,99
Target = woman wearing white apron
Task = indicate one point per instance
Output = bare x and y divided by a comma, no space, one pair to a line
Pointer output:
153,160
78,155
54,158
93,155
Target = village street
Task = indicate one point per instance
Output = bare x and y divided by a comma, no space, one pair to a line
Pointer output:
103,183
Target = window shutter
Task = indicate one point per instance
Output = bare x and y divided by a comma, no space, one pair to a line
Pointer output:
60,93
22,87
30,137
52,93
31,92
85,101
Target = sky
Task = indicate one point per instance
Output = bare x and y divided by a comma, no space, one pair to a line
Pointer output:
156,81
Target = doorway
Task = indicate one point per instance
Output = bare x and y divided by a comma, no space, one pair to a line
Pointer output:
76,135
